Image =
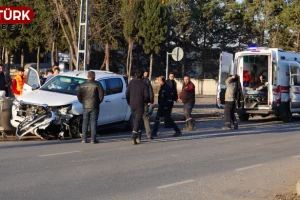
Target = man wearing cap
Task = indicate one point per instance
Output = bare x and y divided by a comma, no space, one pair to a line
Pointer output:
18,82
90,94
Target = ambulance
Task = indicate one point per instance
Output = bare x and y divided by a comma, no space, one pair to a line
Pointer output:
270,80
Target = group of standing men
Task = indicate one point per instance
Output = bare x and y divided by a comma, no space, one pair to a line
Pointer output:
140,97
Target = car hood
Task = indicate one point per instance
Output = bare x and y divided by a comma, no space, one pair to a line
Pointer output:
40,97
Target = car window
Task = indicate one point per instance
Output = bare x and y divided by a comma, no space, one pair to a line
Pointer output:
103,83
63,84
114,86
32,78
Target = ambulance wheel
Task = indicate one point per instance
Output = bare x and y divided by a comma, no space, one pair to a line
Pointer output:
244,117
287,116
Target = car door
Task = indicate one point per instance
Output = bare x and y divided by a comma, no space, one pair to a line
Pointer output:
294,86
105,109
226,66
116,98
32,81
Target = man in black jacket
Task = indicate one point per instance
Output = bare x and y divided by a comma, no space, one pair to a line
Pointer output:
137,95
173,85
165,102
5,81
90,94
147,105
187,96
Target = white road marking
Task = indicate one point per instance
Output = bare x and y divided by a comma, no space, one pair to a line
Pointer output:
249,167
55,154
296,156
175,184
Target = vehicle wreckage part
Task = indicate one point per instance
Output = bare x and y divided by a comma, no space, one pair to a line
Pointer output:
36,126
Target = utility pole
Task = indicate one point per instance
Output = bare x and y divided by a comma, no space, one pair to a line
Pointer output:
83,21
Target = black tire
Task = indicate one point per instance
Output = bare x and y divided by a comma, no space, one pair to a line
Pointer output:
244,117
287,116
129,124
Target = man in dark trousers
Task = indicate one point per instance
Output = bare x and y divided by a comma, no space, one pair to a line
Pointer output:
90,94
147,105
165,102
137,95
173,85
187,96
230,97
5,81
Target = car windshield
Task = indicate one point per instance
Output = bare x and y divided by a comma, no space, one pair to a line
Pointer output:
63,84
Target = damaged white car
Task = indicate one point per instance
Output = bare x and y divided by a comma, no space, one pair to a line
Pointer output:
53,110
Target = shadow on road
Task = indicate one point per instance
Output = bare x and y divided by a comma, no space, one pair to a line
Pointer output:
212,129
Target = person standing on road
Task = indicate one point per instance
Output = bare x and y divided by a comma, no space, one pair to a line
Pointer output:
48,74
173,85
90,95
5,81
56,71
18,82
230,94
137,95
165,102
147,105
187,96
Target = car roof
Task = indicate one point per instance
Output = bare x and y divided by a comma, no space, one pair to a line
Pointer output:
83,74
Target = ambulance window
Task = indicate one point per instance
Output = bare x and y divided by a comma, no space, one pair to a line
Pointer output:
295,75
274,73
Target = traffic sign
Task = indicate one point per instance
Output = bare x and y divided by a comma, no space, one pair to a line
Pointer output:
177,54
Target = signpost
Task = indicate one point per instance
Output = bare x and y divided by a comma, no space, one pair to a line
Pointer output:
177,55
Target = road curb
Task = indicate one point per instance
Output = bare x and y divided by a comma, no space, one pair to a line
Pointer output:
298,187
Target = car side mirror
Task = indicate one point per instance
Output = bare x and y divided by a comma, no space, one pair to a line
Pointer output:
34,86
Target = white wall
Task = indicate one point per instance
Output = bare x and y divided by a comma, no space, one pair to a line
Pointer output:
203,86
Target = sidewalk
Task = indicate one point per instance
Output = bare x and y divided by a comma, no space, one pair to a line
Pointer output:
205,106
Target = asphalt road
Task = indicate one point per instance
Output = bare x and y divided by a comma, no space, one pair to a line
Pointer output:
254,162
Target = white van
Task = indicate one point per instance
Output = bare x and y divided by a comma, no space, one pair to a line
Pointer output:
270,79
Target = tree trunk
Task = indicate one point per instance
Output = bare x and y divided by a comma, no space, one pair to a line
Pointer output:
127,62
150,69
107,56
38,60
22,57
70,41
71,58
88,56
183,62
1,59
3,55
130,58
56,55
138,55
298,42
204,52
7,60
52,53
